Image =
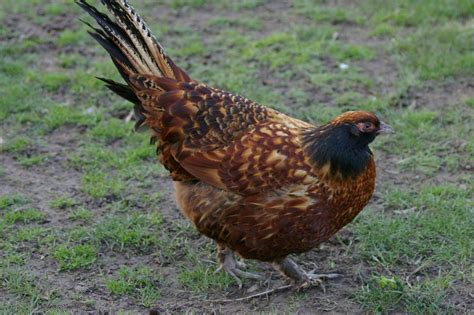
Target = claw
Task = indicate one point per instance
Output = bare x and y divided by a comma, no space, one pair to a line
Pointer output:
219,268
315,279
312,275
303,279
240,264
231,272
227,263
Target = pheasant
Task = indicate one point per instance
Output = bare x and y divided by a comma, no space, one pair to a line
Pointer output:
259,183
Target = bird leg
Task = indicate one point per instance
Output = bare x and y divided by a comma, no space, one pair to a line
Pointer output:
303,279
226,261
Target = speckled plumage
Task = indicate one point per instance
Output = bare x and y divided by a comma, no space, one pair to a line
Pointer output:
255,180
252,184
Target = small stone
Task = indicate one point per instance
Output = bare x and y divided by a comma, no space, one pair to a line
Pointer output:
343,66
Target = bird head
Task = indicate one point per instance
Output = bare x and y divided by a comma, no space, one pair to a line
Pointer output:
342,145
362,127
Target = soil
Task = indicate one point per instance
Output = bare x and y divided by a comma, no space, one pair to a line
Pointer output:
56,177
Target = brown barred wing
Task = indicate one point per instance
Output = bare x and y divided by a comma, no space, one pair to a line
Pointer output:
195,114
224,140
269,158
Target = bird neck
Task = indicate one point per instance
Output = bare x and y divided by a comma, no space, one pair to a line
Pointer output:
335,152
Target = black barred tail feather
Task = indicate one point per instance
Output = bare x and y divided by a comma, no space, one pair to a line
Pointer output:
132,47
130,42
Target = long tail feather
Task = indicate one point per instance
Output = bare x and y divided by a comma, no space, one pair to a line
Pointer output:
130,43
122,90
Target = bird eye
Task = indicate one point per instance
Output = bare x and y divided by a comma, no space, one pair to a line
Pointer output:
365,127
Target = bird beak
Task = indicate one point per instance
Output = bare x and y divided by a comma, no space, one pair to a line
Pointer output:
385,129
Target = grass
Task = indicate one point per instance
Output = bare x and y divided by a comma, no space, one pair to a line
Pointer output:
82,197
438,228
30,161
22,216
81,214
140,283
136,231
74,257
7,201
17,144
431,234
202,279
425,51
62,202
100,185
420,13
26,234
383,294
21,284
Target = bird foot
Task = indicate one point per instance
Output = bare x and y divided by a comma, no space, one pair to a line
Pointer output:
233,268
312,279
240,264
303,279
